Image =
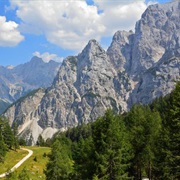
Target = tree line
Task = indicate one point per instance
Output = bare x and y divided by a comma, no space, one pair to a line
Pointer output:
8,138
144,142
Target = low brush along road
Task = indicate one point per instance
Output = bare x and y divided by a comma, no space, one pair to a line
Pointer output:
19,163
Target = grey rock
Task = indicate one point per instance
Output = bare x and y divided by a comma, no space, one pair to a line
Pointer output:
18,81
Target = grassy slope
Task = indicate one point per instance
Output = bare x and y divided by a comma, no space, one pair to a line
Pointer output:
34,168
12,158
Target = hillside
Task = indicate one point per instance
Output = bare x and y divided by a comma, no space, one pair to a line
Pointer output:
33,167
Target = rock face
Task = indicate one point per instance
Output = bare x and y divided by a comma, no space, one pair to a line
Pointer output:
18,81
136,68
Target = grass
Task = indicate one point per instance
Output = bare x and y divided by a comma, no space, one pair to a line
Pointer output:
35,168
12,157
35,164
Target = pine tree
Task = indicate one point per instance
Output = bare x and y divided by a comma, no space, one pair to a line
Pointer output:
173,121
15,133
40,141
111,147
144,126
3,147
8,135
82,153
60,165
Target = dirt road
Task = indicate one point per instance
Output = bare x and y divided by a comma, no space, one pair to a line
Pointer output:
20,162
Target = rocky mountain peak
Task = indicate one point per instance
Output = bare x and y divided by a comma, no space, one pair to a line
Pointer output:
122,37
19,80
120,49
156,34
92,49
36,60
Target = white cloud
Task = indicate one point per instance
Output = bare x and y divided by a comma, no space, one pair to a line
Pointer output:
9,34
71,24
47,57
120,14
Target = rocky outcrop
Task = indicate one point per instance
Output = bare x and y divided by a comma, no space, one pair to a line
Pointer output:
136,68
157,33
24,113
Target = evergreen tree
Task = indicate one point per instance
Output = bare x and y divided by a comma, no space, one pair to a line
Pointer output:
22,142
161,169
167,149
144,126
3,147
15,133
111,148
173,125
82,153
60,165
40,141
8,135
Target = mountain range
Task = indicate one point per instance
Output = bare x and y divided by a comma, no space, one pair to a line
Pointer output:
17,81
137,68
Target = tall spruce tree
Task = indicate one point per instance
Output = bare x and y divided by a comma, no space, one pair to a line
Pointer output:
60,165
173,125
15,136
82,153
144,126
3,147
8,135
111,148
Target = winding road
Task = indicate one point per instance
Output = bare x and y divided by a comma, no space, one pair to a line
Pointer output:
19,163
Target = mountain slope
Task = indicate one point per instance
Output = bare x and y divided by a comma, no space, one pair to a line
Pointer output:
18,81
136,68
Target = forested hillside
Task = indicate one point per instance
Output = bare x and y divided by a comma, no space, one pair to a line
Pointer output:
141,143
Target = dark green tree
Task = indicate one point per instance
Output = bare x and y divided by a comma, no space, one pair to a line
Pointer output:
8,135
111,148
3,147
15,134
22,142
60,165
82,152
144,126
40,141
173,128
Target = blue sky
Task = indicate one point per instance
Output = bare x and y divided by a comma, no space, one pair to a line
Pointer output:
55,29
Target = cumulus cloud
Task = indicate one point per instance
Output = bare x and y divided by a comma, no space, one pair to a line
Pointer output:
47,57
120,15
70,24
9,34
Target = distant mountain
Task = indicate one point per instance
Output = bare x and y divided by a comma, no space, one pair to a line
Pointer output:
16,82
137,68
